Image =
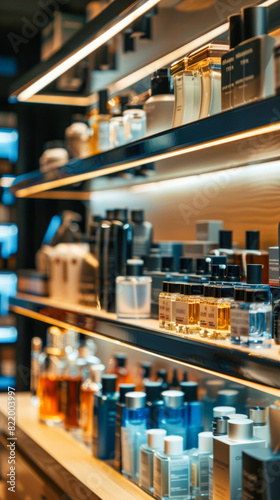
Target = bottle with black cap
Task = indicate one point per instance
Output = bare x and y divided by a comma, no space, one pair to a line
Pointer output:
133,432
118,366
253,255
142,233
119,250
255,319
159,107
233,274
104,419
194,294
174,289
133,292
218,312
154,402
101,253
225,246
253,65
235,37
162,377
89,273
123,390
100,125
218,273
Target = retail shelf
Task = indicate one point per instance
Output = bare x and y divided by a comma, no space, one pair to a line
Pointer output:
241,136
259,368
65,460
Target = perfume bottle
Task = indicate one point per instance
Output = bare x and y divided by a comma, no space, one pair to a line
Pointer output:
89,387
123,390
104,418
172,475
195,424
119,128
154,402
179,308
189,389
259,415
133,292
187,90
253,64
73,376
102,255
205,301
227,451
172,417
163,296
227,61
175,290
146,458
159,107
100,126
255,319
133,432
52,364
36,350
225,247
88,275
162,377
218,312
137,118
142,234
118,367
207,61
174,383
199,459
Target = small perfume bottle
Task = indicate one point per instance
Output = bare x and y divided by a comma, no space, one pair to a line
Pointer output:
199,459
195,424
146,458
236,318
219,312
255,319
227,60
90,386
179,308
36,350
176,291
104,418
205,301
172,475
154,402
137,118
52,364
252,255
172,417
194,294
123,390
133,292
133,432
187,90
163,296
259,415
73,376
100,126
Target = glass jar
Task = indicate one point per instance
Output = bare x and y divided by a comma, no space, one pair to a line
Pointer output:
187,90
120,132
133,292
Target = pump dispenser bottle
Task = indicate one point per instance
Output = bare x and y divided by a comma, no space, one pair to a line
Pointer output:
159,107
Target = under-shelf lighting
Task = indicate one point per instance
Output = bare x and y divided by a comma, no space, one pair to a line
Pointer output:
52,184
86,50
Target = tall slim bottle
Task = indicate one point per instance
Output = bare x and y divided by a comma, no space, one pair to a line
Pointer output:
123,390
90,386
36,350
104,419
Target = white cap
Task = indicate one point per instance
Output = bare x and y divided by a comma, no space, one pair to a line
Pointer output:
223,411
156,438
173,445
240,430
238,416
205,441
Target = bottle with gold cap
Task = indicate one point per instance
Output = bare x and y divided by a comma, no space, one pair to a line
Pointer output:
52,362
187,90
36,350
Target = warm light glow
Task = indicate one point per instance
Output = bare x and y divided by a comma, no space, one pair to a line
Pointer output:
85,50
28,191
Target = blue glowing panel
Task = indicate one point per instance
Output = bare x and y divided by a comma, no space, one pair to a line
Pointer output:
9,144
8,239
8,334
6,382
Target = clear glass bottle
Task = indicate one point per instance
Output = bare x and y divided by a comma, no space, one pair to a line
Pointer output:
187,90
159,107
207,61
236,319
163,296
146,458
123,390
219,312
179,307
52,364
172,475
174,289
133,432
255,319
73,376
88,388
133,292
205,301
172,414
120,132
199,459
137,118
36,350
100,126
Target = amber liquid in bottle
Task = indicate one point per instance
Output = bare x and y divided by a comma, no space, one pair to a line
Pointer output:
49,393
71,396
86,414
193,315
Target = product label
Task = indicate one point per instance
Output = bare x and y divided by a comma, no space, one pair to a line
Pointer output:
203,475
181,313
240,322
203,315
179,105
127,451
210,494
161,308
227,79
212,316
146,470
157,478
167,310
178,478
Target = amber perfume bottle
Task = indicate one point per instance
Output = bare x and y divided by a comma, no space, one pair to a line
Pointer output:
73,376
52,363
118,367
100,126
219,312
205,302
89,387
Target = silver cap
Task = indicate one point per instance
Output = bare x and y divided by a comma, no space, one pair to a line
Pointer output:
96,372
135,400
57,338
227,397
173,399
36,344
220,426
258,414
240,430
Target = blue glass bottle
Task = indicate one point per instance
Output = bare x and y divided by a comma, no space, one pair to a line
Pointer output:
195,424
104,419
133,432
189,389
123,390
154,402
172,415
